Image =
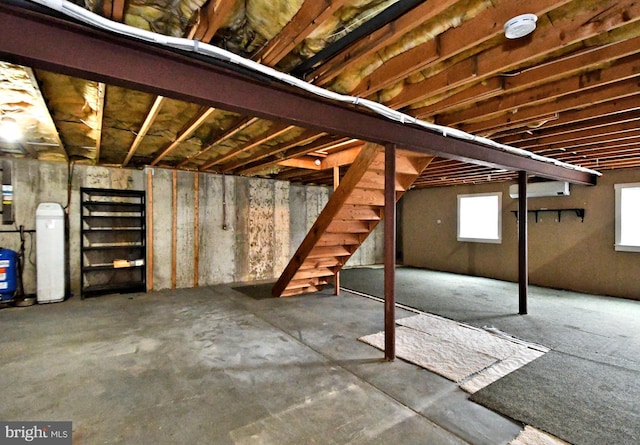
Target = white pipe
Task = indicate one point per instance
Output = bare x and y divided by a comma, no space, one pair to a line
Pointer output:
86,16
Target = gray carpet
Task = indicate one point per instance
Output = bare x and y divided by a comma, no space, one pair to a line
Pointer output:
580,401
586,391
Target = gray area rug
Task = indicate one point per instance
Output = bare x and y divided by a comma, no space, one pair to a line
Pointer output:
578,400
586,391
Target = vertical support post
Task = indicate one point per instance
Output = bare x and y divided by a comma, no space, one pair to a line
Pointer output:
174,231
336,183
149,230
523,256
389,252
196,229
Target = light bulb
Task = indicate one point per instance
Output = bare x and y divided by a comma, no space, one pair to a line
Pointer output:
10,130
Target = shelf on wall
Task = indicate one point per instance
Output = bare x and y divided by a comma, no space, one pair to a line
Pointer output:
112,230
578,211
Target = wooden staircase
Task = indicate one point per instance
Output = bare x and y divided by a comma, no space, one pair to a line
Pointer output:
353,211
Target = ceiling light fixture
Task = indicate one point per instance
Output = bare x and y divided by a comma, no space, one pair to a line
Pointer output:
9,129
520,26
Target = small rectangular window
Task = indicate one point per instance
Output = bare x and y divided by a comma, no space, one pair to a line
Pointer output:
627,217
480,218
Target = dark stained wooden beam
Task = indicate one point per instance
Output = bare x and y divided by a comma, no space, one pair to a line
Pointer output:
113,59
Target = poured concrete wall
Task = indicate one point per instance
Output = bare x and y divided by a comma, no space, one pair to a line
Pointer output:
248,228
565,254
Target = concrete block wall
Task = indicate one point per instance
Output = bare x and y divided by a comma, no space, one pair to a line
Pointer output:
248,228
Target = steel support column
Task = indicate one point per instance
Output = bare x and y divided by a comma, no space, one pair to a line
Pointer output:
523,255
390,252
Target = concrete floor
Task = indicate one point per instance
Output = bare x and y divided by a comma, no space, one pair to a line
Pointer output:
585,390
217,366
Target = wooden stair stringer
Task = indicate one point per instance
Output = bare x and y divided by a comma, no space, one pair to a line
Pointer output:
352,213
335,203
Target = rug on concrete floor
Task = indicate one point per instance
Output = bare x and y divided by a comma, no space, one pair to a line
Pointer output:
532,436
596,414
467,355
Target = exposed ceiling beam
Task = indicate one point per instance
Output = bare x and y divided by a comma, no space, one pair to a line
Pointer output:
458,98
186,131
212,16
623,69
113,9
306,164
618,90
385,35
600,134
102,89
276,130
549,37
600,112
309,17
239,126
325,142
305,138
595,125
586,60
144,129
391,13
345,157
121,61
47,119
485,26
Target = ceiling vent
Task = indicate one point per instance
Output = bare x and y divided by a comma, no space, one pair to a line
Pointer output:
540,189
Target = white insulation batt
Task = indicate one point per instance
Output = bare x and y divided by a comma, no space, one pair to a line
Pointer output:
467,355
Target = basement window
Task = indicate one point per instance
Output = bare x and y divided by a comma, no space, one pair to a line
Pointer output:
627,217
480,218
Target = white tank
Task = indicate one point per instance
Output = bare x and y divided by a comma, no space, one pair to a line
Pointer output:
50,253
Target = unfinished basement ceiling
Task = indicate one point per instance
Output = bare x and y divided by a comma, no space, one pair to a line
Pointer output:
568,91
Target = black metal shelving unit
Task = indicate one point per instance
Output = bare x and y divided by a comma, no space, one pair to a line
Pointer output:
113,241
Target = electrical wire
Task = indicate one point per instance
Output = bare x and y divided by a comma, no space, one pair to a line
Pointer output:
79,13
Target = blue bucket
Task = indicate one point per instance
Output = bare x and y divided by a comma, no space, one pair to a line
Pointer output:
8,274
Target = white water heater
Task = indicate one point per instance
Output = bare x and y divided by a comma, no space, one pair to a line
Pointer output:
50,253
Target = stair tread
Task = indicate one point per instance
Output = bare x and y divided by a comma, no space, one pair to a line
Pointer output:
312,273
349,217
331,251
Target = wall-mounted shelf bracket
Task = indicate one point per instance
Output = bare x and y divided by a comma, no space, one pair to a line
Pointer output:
579,212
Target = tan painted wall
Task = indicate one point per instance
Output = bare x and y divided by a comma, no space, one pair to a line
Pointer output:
568,254
266,221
